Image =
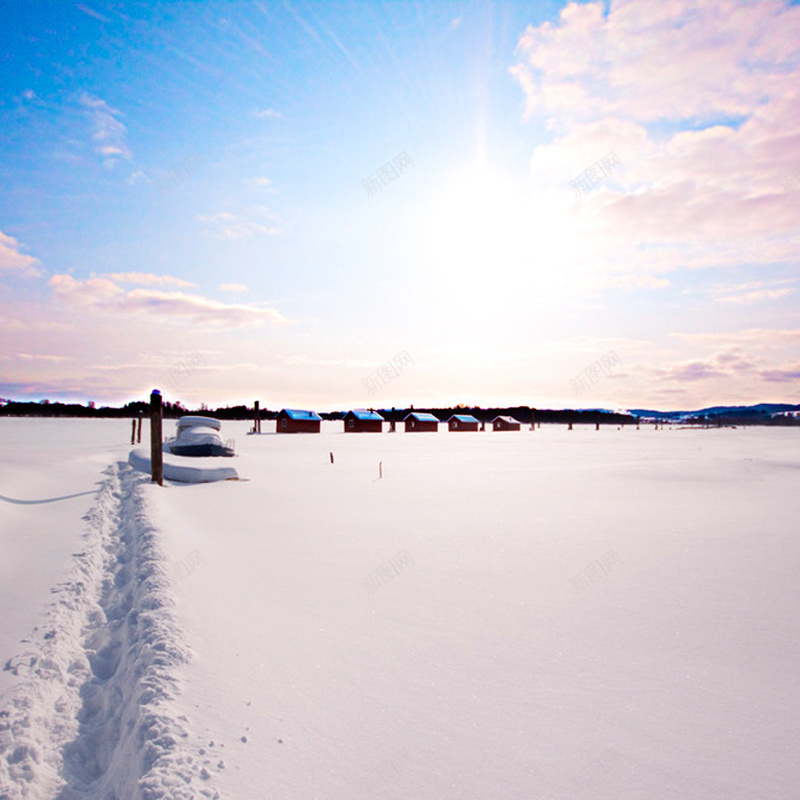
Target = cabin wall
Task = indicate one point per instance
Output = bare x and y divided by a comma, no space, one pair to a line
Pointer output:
354,425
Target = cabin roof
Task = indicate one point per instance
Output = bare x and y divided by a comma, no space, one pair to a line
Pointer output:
421,416
296,413
509,420
463,418
361,413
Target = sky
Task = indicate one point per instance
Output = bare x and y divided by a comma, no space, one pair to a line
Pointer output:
334,205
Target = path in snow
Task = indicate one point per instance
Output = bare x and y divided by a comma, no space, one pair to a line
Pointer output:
93,716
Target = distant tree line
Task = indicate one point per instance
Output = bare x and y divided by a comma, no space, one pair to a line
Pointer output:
523,414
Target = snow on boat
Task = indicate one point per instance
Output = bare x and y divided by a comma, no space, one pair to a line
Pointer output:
182,470
198,437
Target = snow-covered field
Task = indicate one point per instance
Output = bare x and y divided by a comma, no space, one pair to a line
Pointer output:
550,614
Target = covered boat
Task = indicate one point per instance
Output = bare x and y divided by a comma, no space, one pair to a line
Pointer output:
199,436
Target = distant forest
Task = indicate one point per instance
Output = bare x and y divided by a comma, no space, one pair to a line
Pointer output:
523,414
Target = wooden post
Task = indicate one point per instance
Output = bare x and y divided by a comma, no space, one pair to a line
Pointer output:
597,420
256,418
569,426
133,431
139,430
156,454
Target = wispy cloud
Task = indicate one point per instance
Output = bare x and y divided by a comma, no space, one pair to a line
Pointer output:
233,287
693,371
261,183
147,279
40,357
104,295
14,324
226,225
91,12
269,113
755,297
753,291
788,375
13,260
109,133
763,338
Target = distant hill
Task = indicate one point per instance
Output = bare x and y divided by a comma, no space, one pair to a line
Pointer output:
763,410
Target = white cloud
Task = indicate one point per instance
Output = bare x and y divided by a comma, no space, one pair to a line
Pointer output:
91,12
233,287
675,59
135,177
12,260
261,183
147,279
104,295
753,291
682,199
40,357
754,297
226,225
109,133
269,113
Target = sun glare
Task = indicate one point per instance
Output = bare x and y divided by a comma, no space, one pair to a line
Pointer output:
484,224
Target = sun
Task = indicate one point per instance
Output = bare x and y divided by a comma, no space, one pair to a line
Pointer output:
485,223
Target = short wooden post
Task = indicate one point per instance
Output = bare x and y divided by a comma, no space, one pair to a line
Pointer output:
256,418
133,431
597,421
139,430
569,426
156,454
331,457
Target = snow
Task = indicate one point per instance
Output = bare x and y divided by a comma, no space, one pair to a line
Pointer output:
184,469
541,614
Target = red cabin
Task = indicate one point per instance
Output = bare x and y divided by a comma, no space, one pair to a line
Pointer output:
505,424
462,422
361,421
292,420
419,422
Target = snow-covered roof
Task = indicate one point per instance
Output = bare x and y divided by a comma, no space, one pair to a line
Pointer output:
296,413
361,413
421,416
463,418
509,420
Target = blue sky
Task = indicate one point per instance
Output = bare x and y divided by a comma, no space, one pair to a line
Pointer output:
183,185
